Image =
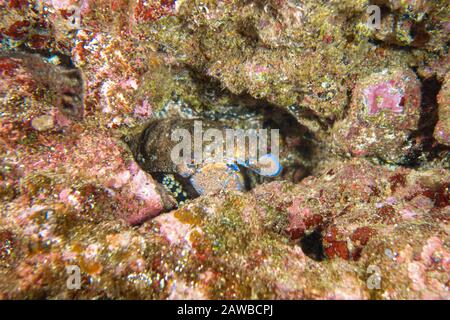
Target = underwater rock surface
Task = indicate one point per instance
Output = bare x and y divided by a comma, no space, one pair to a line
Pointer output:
442,130
385,110
360,210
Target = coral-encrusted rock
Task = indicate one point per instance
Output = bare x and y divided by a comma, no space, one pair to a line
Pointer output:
234,245
390,98
442,130
370,215
59,154
71,193
385,110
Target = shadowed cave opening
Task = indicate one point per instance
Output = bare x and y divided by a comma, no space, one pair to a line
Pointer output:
424,146
295,157
312,245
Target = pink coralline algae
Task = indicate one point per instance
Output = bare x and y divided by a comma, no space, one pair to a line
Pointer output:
383,96
384,112
143,110
392,96
301,219
148,10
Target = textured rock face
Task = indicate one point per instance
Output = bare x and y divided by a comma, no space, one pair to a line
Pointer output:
247,245
361,210
442,130
384,112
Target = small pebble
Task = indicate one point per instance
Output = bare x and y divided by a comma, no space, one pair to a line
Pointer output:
43,123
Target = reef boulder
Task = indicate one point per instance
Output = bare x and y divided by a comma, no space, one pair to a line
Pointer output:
384,111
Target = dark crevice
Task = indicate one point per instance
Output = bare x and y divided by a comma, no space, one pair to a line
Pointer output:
424,146
419,34
346,110
241,109
393,46
429,105
312,245
275,116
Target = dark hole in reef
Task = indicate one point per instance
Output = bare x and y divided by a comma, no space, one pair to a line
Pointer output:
312,245
419,34
248,30
429,105
240,109
424,145
273,117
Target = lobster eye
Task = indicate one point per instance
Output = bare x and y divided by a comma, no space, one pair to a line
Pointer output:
269,166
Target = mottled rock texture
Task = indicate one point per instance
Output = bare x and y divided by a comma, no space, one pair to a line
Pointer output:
442,130
360,212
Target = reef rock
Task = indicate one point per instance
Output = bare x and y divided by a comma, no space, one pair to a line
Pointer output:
442,129
350,217
384,112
